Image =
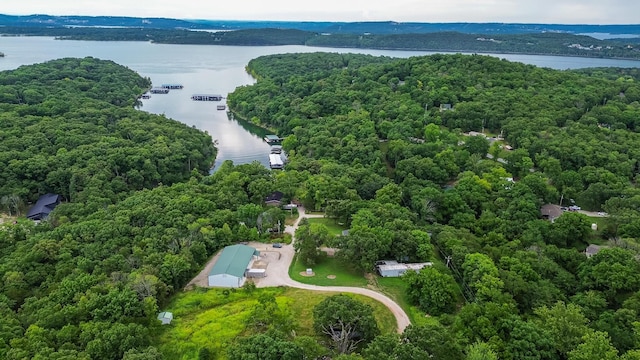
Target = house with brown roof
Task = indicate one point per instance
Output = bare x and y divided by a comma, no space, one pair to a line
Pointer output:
550,212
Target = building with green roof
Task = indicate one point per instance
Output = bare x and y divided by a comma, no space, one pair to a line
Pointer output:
231,266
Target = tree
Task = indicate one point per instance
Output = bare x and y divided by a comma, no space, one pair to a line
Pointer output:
431,290
309,239
264,347
565,323
481,351
595,346
345,321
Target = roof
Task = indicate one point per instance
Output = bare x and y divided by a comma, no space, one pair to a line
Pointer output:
398,266
233,260
272,137
275,159
45,204
593,249
274,196
551,211
165,315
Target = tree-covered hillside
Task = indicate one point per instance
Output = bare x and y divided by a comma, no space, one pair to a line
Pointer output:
69,127
384,148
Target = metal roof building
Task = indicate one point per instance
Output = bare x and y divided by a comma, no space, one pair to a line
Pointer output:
396,269
231,266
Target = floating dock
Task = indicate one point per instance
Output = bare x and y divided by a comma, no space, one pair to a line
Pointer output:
159,91
172,86
272,139
275,161
221,107
206,97
145,96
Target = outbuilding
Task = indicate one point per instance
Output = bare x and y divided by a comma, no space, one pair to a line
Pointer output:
396,269
231,266
165,317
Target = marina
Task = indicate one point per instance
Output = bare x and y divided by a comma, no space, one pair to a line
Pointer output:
172,86
206,97
159,91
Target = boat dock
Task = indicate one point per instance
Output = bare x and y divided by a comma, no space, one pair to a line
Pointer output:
221,107
159,90
172,86
275,161
145,96
206,97
276,149
272,139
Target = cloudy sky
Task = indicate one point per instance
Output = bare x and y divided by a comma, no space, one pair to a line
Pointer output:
523,11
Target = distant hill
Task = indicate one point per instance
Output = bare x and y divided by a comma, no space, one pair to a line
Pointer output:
381,27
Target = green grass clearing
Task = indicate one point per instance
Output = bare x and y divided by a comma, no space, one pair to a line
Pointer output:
334,228
329,266
395,288
209,318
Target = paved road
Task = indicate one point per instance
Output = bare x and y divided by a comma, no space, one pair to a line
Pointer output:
278,275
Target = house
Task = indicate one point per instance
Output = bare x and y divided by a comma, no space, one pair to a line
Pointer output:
592,249
550,212
274,199
391,268
45,204
231,267
445,107
165,317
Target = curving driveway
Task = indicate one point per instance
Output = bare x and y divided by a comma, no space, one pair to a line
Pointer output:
278,275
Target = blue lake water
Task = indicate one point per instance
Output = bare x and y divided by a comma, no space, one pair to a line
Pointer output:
216,70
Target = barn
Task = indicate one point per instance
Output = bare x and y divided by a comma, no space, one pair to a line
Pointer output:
231,266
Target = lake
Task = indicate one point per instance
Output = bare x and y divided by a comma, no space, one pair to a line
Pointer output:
216,70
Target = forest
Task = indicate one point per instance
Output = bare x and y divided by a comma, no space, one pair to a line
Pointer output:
539,43
380,145
378,151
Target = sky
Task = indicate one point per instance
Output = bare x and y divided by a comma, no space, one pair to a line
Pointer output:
510,11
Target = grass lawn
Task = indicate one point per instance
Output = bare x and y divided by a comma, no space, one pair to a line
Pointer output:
290,218
395,288
209,318
331,224
330,266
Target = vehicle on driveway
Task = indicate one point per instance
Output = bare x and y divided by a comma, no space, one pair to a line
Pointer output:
277,245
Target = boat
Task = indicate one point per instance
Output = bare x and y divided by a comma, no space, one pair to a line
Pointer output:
145,96
276,149
221,107
206,97
172,86
159,91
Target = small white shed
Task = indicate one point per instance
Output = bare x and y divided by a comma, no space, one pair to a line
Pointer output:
395,269
165,317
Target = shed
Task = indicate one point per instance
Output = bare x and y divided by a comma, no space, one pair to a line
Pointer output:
165,317
45,205
550,212
395,269
231,266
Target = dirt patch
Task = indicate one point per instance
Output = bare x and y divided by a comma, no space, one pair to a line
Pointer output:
332,277
305,274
